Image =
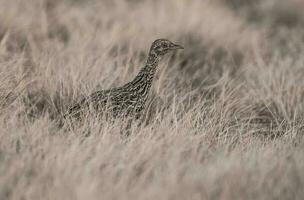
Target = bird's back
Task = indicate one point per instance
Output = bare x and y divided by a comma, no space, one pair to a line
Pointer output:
121,101
96,100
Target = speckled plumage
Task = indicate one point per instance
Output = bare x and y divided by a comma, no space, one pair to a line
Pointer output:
129,99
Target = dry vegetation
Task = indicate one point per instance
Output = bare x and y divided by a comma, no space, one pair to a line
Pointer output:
224,121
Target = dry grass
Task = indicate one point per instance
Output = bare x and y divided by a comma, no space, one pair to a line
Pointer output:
224,120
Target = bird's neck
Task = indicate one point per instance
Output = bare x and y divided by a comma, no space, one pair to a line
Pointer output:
151,64
144,78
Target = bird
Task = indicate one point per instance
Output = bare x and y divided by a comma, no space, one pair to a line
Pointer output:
129,99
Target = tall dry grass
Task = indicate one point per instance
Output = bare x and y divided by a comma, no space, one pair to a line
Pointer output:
224,119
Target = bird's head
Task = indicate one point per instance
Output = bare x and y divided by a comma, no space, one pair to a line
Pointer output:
162,46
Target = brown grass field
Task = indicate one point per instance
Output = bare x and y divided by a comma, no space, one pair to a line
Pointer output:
224,119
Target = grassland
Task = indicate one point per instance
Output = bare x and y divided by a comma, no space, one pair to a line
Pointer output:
224,119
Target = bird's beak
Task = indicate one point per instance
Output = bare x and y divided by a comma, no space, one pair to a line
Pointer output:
176,46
